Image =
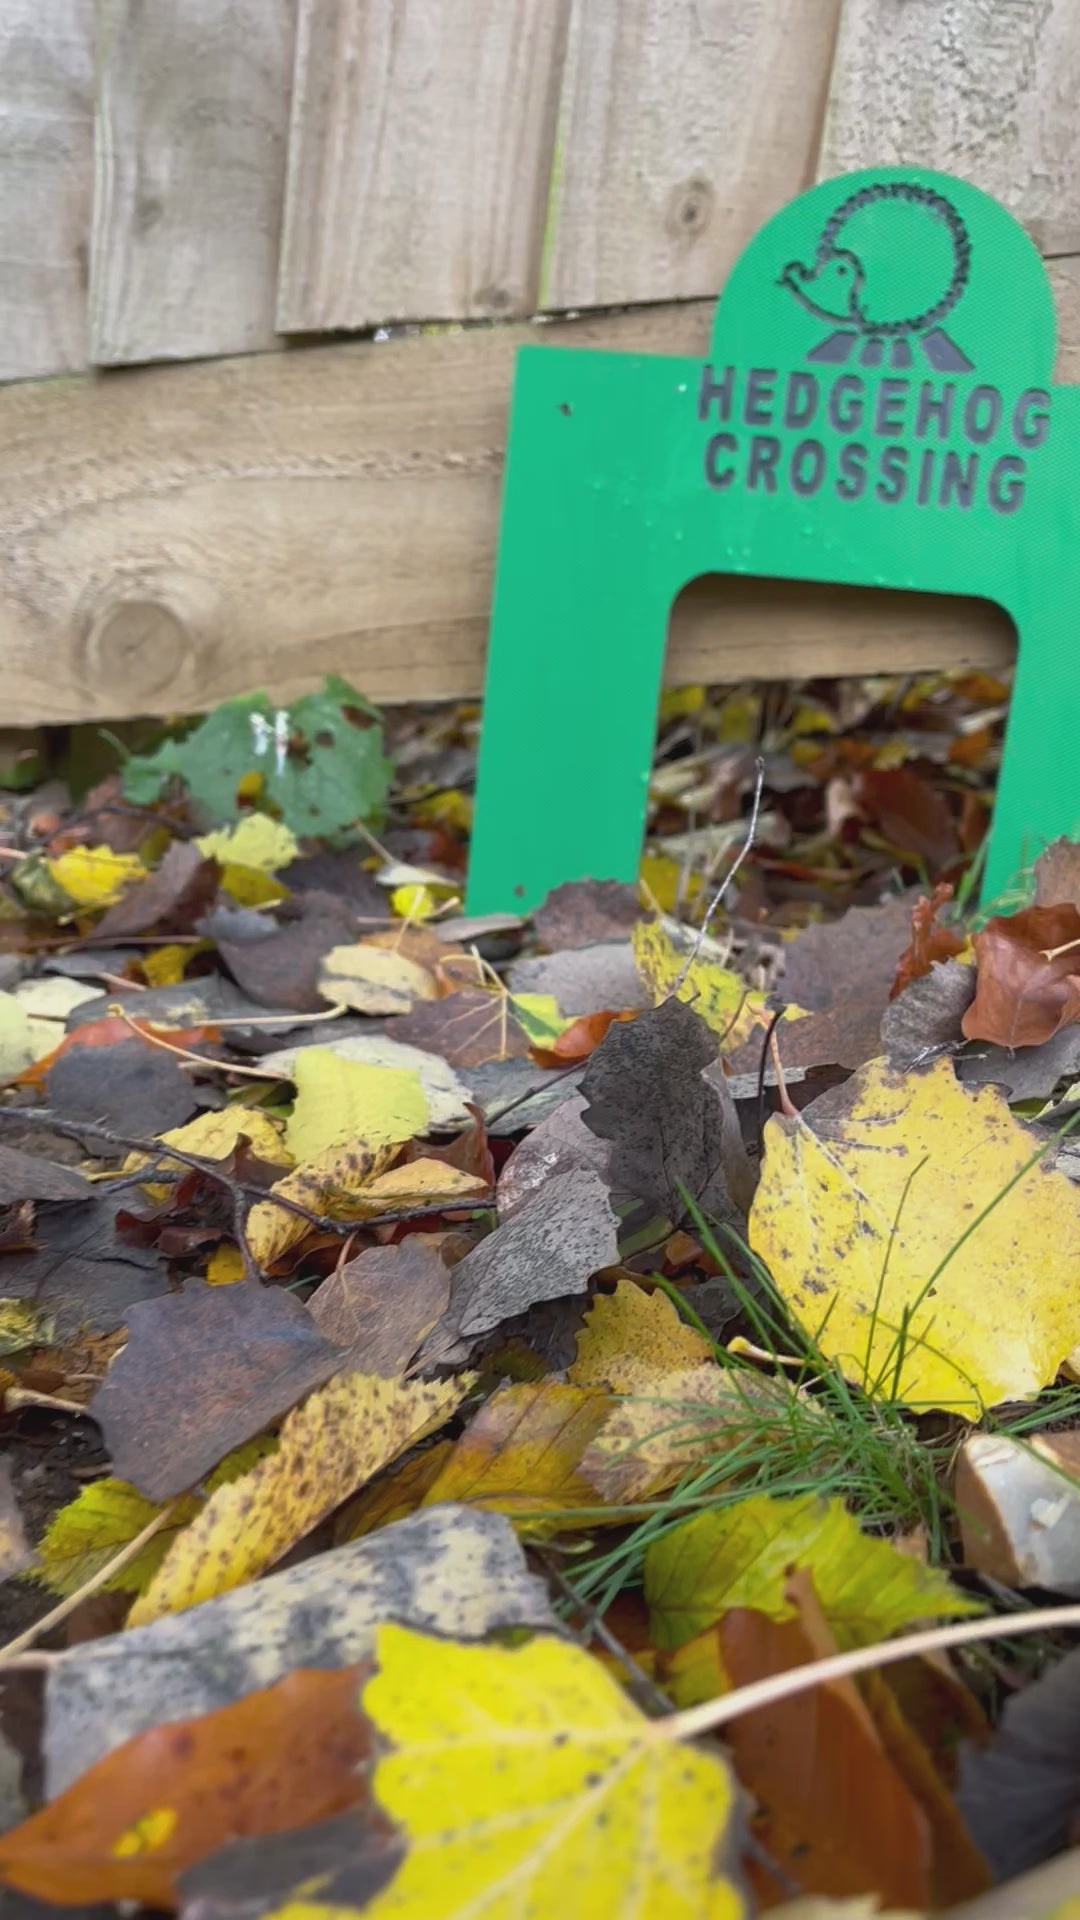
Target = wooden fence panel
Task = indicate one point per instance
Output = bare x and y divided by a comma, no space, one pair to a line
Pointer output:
46,168
190,141
984,88
682,127
419,158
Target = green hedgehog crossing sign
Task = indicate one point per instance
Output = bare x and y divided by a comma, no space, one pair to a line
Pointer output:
877,409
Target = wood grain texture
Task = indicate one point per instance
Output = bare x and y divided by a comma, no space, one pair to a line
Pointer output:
983,88
419,156
173,535
189,149
46,145
682,127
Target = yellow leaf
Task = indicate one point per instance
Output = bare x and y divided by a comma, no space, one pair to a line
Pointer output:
374,979
723,1000
630,1338
214,1135
251,888
165,966
904,1232
335,1184
419,1183
339,1100
523,1781
225,1265
22,1324
739,1556
539,1014
660,877
96,876
256,841
682,1419
677,701
451,808
393,1495
521,1454
329,1446
414,902
85,1535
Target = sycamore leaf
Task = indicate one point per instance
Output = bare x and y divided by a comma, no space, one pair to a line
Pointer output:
740,1556
329,1446
678,1420
721,997
524,1781
898,1221
374,979
108,1513
335,1183
340,1100
256,841
96,876
630,1338
521,1454
282,1757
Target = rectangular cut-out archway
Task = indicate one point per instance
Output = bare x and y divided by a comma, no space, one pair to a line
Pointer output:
876,410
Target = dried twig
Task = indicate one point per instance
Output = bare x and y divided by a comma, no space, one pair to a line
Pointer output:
759,769
97,1580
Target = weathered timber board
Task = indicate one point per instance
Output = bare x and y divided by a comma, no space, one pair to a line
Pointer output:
173,535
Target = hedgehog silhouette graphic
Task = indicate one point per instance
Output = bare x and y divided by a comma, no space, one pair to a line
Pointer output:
890,266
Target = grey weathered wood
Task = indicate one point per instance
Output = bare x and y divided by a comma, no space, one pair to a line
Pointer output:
190,141
46,140
173,535
683,125
419,157
983,88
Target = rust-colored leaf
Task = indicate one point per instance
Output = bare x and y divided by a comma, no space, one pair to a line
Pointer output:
1028,977
280,1758
580,1038
929,941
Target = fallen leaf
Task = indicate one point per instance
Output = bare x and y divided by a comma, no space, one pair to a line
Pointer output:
448,1570
447,1097
929,941
1057,874
96,876
109,1513
467,1028
15,1549
283,969
899,1223
581,1037
397,1491
584,980
132,1087
203,1371
738,1556
911,814
853,958
280,1758
419,1183
342,1101
842,1036
328,1448
334,1186
927,1017
255,841
682,1420
549,1249
518,1777
1027,982
374,980
214,1136
379,1306
632,1338
169,900
78,1271
521,1454
582,912
562,1143
1020,1793
671,1127
722,998
28,1176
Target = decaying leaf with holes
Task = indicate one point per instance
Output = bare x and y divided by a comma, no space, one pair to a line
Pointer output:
329,1447
913,1227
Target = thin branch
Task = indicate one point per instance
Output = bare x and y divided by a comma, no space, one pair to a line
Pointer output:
96,1580
751,833
817,1673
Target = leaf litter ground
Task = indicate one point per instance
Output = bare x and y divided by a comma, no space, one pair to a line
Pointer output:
685,1299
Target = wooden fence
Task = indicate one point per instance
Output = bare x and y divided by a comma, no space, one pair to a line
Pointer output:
205,179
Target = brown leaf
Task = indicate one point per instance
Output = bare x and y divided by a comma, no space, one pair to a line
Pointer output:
929,941
561,1143
169,900
583,912
202,1371
1057,875
469,1152
379,1306
846,1035
130,1086
15,1552
911,814
280,1758
283,970
466,1029
28,1176
1021,997
78,1271
851,958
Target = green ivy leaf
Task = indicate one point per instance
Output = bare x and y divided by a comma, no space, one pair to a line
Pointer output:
334,772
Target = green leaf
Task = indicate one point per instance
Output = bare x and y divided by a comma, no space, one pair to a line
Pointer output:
334,772
739,1556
